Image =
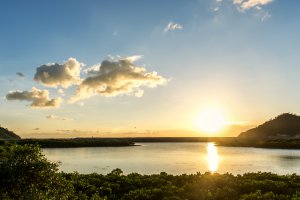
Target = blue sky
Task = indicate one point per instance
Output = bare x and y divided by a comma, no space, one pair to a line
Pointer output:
239,56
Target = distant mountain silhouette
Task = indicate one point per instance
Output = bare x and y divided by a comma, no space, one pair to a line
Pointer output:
6,134
284,126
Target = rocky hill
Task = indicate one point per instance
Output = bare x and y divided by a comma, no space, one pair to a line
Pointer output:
284,126
6,134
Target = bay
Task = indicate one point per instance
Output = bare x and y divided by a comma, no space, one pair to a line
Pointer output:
175,158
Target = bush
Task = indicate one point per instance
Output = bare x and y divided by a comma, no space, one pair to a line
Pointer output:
26,174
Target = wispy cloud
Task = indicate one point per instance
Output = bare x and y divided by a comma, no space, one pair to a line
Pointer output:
265,15
172,26
64,75
256,6
217,5
216,9
117,77
39,98
55,117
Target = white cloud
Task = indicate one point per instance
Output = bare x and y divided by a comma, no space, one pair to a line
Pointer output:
257,7
64,75
39,98
248,4
117,77
217,5
237,1
216,9
134,58
172,26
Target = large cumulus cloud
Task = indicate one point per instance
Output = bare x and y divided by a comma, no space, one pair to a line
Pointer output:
64,75
39,98
117,77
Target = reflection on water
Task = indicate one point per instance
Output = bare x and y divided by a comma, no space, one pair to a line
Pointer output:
212,157
176,158
289,157
286,161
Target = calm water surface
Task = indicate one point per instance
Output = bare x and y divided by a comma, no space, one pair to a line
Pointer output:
176,158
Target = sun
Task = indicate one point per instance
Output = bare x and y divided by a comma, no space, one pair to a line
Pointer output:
210,120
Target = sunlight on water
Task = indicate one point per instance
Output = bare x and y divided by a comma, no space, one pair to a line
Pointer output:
175,158
212,157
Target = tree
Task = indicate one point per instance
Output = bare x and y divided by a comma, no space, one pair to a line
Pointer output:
26,174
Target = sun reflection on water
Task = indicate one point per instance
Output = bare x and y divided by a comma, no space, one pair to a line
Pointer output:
212,157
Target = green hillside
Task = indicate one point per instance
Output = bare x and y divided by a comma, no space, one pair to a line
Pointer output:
6,134
284,126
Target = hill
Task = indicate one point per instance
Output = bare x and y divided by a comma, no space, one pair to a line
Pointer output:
6,134
284,126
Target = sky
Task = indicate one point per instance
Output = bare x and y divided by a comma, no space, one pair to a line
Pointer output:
146,68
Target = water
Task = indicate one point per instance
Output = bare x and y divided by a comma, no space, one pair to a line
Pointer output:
176,158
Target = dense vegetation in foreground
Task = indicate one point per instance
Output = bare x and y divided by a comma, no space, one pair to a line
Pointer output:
26,174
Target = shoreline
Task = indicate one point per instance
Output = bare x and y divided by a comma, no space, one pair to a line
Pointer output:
131,141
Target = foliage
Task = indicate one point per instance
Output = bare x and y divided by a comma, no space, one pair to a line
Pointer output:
164,186
26,174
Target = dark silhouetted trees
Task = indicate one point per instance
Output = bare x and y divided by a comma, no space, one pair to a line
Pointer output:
6,134
284,126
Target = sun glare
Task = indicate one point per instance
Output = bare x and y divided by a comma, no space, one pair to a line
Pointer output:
212,157
211,120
